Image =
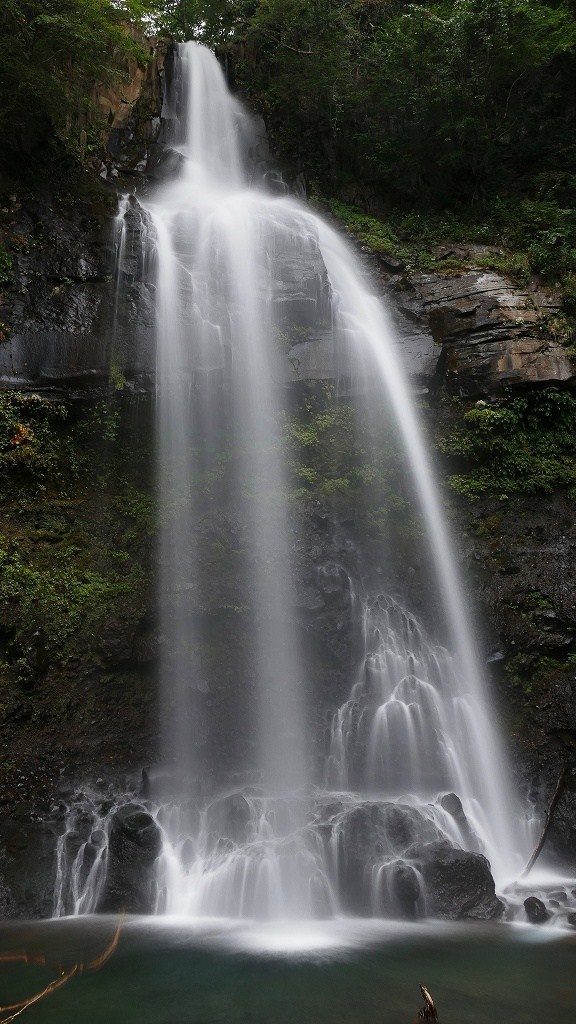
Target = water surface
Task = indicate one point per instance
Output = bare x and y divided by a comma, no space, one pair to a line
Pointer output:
343,972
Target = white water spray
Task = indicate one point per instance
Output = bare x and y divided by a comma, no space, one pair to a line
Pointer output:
417,724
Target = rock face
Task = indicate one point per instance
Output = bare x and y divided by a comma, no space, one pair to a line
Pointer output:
493,335
27,866
133,848
61,286
535,910
130,110
394,860
458,884
520,555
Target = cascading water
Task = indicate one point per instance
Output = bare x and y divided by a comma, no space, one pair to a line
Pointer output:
414,757
217,240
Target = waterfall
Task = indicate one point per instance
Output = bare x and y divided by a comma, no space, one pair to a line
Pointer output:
415,760
214,237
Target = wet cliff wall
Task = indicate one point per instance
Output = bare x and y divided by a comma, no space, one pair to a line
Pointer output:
78,635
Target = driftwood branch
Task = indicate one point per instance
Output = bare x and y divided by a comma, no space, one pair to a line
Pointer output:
428,1011
560,786
62,974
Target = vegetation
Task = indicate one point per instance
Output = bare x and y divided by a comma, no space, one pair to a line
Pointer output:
521,444
444,100
76,519
450,121
52,52
336,454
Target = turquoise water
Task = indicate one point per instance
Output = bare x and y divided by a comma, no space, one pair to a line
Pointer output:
347,973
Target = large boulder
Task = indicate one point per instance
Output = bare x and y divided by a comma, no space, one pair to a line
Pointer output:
134,845
377,874
458,884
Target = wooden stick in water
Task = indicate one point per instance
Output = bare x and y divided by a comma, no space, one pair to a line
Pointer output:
560,786
428,1011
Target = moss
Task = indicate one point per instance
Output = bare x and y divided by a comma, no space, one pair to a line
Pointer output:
515,444
73,543
5,267
412,238
533,673
338,455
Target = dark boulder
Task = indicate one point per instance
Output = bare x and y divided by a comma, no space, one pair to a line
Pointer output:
373,836
134,845
452,804
458,884
535,910
406,889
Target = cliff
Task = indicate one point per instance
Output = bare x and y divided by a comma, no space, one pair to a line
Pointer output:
79,561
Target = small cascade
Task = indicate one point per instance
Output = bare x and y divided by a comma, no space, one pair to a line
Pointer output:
249,857
410,725
82,854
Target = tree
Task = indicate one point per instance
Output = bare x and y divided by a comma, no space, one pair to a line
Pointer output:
51,54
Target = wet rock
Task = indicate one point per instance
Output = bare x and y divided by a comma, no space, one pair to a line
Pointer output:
229,817
458,885
374,834
27,868
134,845
562,835
571,919
535,910
491,332
452,804
334,585
406,889
308,599
559,894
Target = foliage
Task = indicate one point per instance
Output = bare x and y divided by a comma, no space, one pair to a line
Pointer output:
77,516
64,597
213,22
443,101
525,443
5,266
52,52
31,443
544,225
336,453
527,237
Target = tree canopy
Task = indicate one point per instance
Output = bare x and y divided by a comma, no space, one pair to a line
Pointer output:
450,101
51,54
447,99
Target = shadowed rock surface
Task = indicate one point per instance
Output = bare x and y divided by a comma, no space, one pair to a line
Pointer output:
493,334
134,845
